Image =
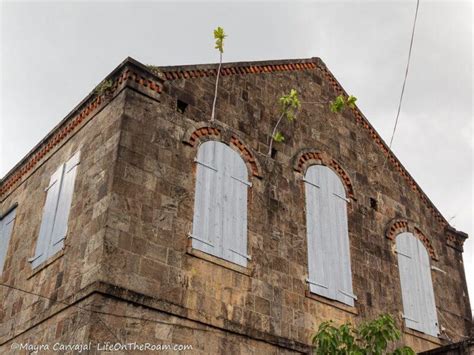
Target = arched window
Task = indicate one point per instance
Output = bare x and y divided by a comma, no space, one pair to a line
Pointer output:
327,232
220,205
419,310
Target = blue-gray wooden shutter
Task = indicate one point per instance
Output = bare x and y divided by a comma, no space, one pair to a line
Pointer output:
235,176
6,226
47,221
220,206
342,259
205,227
316,230
408,280
419,309
427,300
327,233
64,204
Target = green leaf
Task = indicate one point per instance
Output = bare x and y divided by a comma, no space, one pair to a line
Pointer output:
278,137
372,337
219,36
290,104
338,104
351,101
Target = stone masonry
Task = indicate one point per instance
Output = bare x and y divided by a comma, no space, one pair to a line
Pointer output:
128,273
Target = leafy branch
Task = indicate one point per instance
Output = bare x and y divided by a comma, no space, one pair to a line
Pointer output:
341,102
370,338
289,106
219,36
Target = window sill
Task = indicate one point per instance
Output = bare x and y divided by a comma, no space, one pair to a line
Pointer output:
218,261
335,304
418,334
46,263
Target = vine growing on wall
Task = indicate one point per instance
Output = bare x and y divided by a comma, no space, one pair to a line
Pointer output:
219,36
289,106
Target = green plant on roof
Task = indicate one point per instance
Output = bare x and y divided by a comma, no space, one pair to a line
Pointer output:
369,338
289,106
104,87
341,102
219,36
154,69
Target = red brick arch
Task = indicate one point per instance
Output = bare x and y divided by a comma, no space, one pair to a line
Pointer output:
194,136
313,157
397,226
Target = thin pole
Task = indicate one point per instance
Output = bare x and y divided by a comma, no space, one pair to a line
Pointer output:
215,91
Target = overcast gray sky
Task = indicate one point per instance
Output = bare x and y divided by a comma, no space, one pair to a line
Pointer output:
54,53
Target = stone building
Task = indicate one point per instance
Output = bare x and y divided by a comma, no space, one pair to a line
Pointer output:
102,242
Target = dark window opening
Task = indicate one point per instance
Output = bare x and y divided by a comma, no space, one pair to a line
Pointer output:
181,106
273,153
373,203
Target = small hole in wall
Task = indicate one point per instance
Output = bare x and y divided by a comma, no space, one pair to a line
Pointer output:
274,153
181,106
373,203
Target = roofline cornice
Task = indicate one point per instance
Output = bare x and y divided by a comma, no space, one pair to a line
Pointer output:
151,78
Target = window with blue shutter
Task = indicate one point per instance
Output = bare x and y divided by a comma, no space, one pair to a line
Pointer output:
53,229
220,205
329,264
6,228
419,309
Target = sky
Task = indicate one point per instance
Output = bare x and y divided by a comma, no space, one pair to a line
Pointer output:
52,54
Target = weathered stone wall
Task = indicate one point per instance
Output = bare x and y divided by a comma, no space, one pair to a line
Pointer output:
151,212
133,209
79,264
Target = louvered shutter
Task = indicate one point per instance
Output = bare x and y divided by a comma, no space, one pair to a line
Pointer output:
407,264
417,288
205,225
220,206
235,208
6,226
64,204
341,257
327,232
426,300
47,221
317,230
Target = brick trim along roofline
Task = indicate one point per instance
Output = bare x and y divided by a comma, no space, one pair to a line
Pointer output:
151,78
129,73
263,67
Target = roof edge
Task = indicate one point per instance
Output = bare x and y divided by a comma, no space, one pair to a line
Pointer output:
237,64
162,73
83,109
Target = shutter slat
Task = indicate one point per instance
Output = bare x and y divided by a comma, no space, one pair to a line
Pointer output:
408,284
220,208
316,229
47,220
430,319
64,205
341,256
327,233
203,231
236,184
6,227
417,288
